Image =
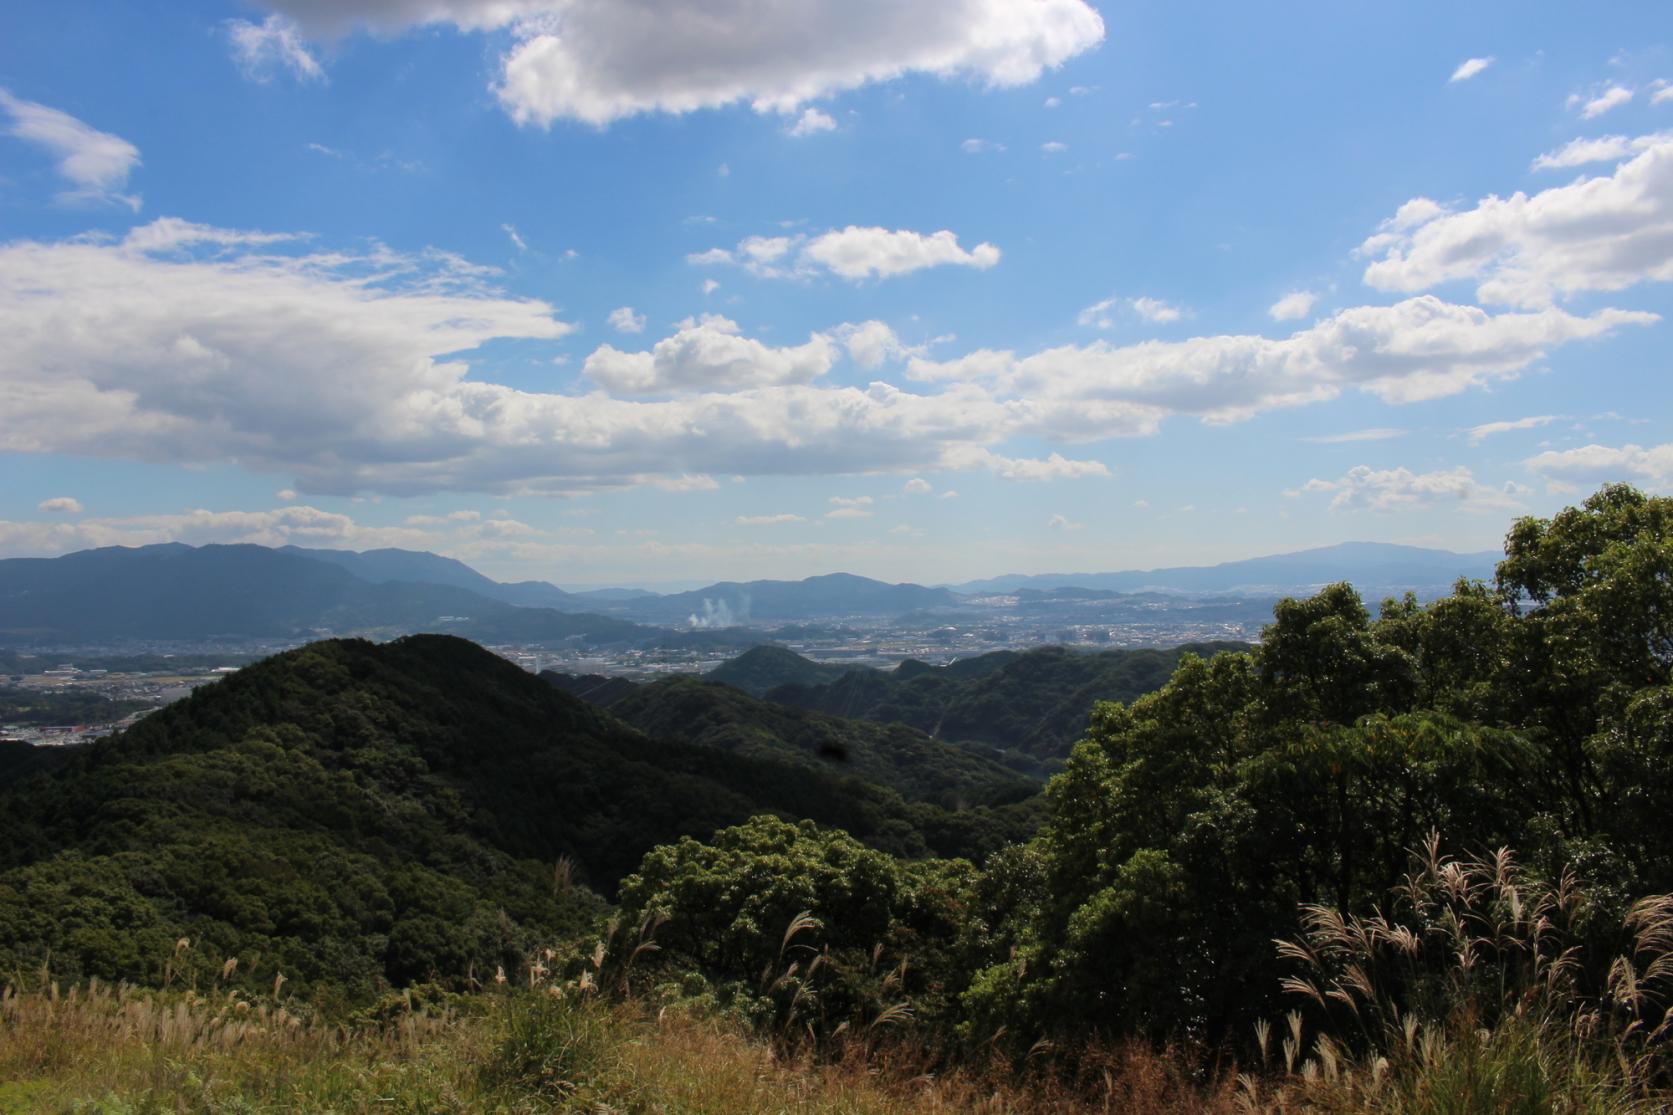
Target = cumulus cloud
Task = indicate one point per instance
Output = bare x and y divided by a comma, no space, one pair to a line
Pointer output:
852,501
1594,234
347,372
96,164
708,354
60,505
871,343
1599,464
974,146
1063,523
1054,147
1400,489
597,61
862,253
1297,304
274,43
848,513
300,525
1487,429
917,486
1469,68
852,253
811,122
1421,348
623,320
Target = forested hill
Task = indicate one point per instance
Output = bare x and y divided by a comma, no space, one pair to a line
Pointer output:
355,812
1037,702
711,714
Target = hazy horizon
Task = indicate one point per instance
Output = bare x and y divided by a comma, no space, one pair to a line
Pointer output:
926,293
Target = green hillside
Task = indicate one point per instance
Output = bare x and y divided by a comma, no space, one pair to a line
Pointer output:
1036,702
359,814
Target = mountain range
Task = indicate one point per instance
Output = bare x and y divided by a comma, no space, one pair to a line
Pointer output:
1372,567
174,592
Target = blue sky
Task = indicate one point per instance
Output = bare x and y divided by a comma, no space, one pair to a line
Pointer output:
635,292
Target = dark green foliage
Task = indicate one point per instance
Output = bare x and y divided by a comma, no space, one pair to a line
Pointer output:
761,668
1188,826
876,931
357,814
710,714
1035,702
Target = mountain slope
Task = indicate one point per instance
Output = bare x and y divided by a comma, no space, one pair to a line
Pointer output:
1035,702
765,667
423,567
1371,567
711,714
178,592
835,594
365,813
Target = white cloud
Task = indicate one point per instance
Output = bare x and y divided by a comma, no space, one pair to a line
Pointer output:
948,494
852,253
60,505
871,343
276,41
767,520
709,286
1098,315
1594,234
96,164
1054,467
811,122
852,501
848,513
285,495
1295,305
349,373
1661,91
1601,464
1156,310
598,61
1054,147
861,253
980,146
300,525
1594,106
1063,523
917,486
624,320
1380,433
1487,429
1598,149
1422,348
1054,102
516,240
708,354
1400,489
443,520
1469,68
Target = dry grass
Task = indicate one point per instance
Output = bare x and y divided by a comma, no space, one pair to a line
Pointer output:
120,1050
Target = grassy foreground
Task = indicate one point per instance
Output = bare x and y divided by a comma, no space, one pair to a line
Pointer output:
104,1050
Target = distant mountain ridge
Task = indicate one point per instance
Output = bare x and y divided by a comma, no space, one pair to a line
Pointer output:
175,592
1369,566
